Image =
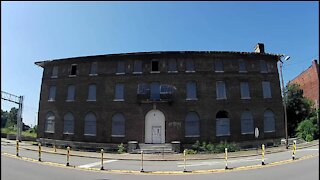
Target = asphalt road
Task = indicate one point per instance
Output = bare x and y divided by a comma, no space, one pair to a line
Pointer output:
14,169
161,165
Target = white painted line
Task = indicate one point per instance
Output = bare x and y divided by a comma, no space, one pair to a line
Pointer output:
307,150
209,163
96,164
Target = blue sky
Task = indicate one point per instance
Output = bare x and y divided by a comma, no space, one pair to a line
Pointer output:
35,31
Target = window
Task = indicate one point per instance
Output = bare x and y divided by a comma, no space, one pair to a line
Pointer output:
137,69
247,123
192,125
245,92
118,125
92,92
49,122
263,66
121,68
242,66
54,72
155,66
191,90
222,124
266,89
155,91
189,65
68,123
73,71
268,121
218,66
71,93
172,67
52,93
119,95
93,69
90,124
221,90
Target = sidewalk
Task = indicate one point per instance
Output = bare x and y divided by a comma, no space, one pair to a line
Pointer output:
155,157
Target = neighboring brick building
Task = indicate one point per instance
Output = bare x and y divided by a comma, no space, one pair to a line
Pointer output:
160,97
309,83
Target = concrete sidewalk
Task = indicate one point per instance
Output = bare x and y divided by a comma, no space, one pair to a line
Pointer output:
155,157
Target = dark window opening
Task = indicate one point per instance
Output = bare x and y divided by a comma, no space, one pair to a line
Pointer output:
222,114
73,70
155,66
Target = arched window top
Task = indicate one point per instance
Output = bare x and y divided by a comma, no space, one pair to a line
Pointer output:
192,116
90,117
222,114
246,115
118,117
50,116
68,116
268,114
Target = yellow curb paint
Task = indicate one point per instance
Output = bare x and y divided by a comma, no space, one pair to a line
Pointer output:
166,172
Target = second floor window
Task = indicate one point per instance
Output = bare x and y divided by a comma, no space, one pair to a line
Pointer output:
221,90
218,66
119,92
189,65
263,66
54,72
242,66
120,68
172,66
154,66
137,68
92,92
94,68
73,71
52,93
266,89
245,92
191,90
71,93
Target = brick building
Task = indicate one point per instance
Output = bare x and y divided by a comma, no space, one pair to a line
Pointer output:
308,81
160,97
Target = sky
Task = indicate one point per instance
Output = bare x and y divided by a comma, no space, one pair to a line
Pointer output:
37,31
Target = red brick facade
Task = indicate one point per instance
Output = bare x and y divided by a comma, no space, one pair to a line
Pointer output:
309,83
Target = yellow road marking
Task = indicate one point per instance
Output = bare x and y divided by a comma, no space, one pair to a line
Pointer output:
251,167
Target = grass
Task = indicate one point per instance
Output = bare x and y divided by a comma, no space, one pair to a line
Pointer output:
27,133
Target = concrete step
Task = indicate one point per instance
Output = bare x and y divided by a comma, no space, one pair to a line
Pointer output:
154,148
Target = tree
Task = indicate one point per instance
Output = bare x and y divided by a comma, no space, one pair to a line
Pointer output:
12,118
298,107
4,118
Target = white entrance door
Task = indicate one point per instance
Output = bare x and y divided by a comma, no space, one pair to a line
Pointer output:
155,127
156,134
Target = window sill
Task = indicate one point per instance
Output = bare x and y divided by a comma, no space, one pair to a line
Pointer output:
222,98
117,135
246,98
93,74
91,100
136,72
68,133
155,72
223,135
51,100
118,100
89,134
191,99
247,133
72,75
51,132
172,72
219,71
270,131
54,77
192,136
190,71
267,97
264,72
243,71
69,100
120,73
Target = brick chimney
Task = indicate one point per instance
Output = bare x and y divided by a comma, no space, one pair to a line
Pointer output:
259,48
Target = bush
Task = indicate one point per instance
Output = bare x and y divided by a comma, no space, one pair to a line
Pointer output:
121,148
190,151
196,146
307,130
211,148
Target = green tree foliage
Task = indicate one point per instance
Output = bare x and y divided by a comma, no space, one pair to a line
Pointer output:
298,107
4,118
307,130
12,118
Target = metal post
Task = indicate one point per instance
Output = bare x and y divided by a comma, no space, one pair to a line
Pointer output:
54,148
17,147
294,149
226,157
19,119
68,153
39,150
284,106
101,160
184,161
141,162
262,153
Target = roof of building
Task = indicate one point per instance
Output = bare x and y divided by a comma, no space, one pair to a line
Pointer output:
41,63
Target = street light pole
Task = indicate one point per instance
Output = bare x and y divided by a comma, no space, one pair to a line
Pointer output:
284,102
